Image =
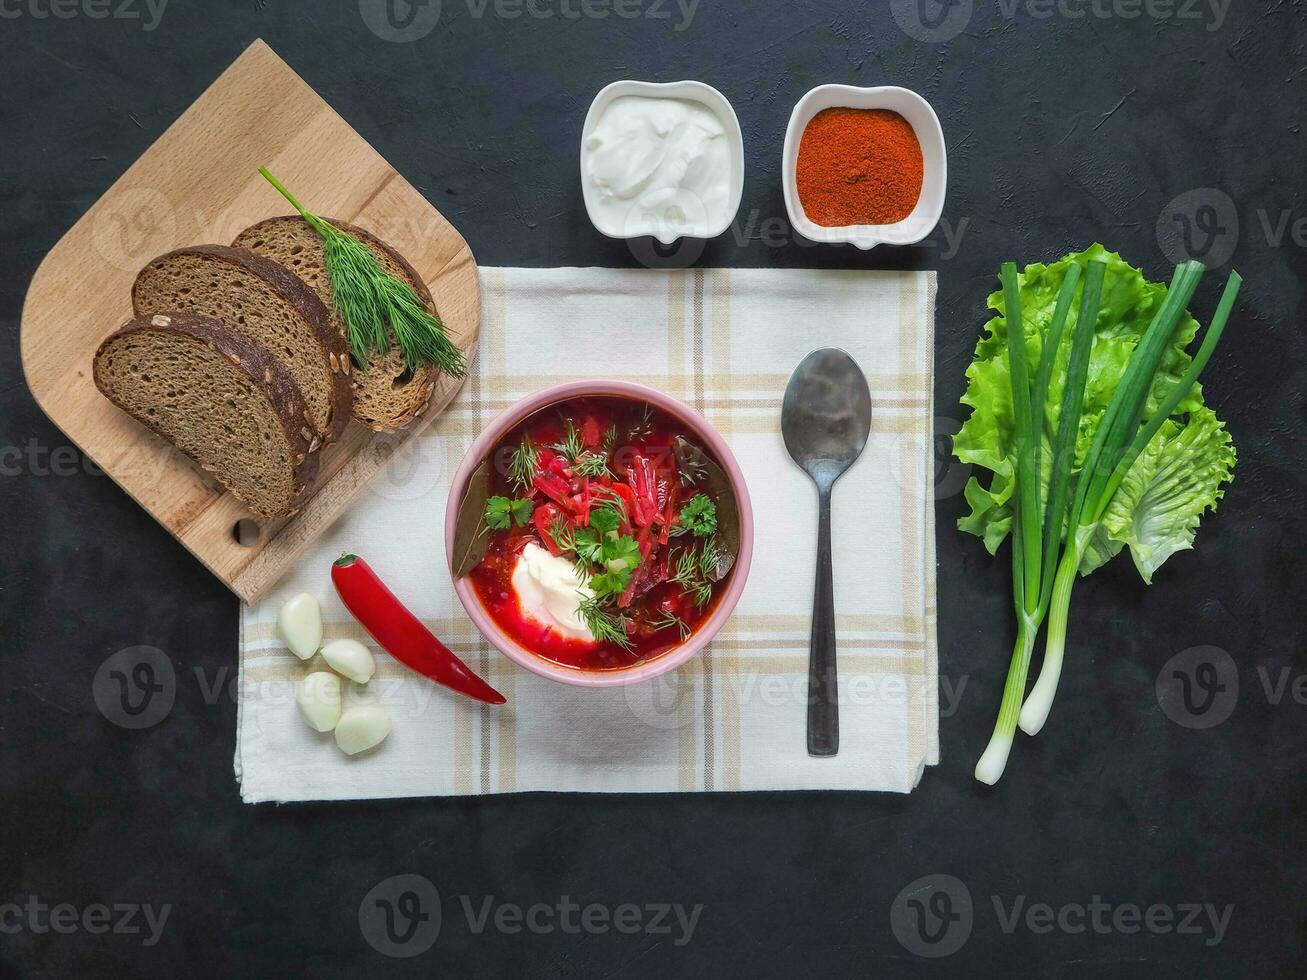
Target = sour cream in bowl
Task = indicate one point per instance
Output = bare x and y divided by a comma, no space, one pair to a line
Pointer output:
550,591
663,160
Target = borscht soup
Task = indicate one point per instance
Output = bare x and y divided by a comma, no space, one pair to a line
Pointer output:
599,533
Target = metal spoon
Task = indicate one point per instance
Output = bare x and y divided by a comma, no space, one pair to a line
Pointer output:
825,420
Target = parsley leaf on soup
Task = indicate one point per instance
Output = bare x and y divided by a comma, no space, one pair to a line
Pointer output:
699,516
502,513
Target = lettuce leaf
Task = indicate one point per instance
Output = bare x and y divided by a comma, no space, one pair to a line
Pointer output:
1175,480
1152,512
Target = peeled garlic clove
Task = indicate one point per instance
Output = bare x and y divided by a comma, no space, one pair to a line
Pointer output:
300,625
362,727
351,659
319,699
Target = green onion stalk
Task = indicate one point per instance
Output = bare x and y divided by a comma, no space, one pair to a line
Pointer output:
1117,444
1034,548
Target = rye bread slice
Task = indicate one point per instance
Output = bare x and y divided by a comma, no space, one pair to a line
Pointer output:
262,300
220,398
387,394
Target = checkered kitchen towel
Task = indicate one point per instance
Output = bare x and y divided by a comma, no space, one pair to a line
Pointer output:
725,341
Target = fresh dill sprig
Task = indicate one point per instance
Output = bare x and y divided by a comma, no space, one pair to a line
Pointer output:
710,557
572,447
592,465
610,438
561,531
604,624
368,299
523,465
692,571
642,428
670,620
585,462
610,498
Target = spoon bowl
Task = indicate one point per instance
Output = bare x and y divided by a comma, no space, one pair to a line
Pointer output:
825,422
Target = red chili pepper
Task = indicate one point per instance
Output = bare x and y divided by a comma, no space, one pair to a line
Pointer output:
400,633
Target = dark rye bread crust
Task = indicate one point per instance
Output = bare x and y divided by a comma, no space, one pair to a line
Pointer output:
423,382
264,370
306,303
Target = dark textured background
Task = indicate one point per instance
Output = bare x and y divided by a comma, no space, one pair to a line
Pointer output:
1061,131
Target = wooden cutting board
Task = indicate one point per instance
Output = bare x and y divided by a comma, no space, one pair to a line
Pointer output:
200,183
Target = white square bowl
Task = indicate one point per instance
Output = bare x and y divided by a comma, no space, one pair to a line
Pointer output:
690,91
917,111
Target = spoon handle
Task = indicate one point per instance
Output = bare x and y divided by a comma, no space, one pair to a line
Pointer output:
823,687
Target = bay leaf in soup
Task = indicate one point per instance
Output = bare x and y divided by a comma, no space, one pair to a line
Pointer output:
470,539
712,480
728,534
691,461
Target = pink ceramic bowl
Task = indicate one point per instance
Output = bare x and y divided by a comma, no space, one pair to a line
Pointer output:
693,421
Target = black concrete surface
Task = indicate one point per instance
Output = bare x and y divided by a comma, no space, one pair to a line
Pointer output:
1062,129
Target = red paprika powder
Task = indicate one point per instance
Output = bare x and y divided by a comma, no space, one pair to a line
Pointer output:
858,167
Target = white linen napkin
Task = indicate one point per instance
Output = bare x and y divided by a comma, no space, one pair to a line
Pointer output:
725,341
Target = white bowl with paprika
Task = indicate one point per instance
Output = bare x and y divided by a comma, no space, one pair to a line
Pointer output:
864,166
